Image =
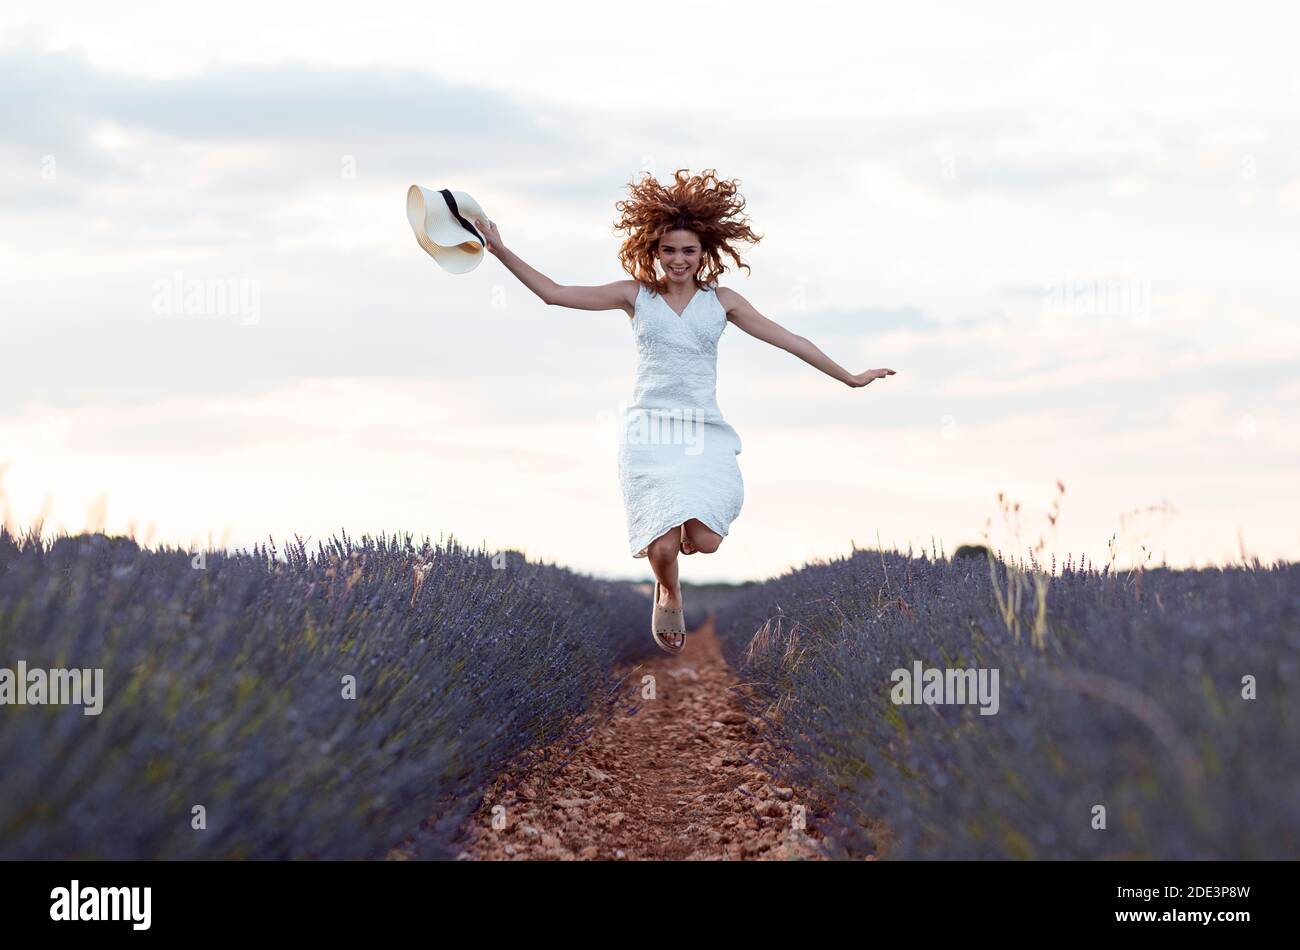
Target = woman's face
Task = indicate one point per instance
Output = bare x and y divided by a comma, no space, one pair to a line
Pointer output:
679,255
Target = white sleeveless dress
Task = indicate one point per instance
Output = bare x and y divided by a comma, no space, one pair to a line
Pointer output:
677,455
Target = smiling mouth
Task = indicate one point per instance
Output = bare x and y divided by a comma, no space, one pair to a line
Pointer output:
678,270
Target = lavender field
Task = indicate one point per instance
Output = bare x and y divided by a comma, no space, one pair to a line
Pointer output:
1146,714
295,704
332,703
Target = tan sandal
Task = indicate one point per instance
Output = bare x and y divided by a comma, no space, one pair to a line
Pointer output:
669,621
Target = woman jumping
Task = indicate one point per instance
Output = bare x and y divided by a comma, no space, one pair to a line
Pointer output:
681,482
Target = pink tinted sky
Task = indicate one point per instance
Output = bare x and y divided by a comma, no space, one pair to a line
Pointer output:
1074,242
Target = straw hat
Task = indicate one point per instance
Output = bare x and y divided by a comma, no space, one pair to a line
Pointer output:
443,222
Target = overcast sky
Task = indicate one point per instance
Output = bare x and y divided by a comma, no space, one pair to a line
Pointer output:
1075,240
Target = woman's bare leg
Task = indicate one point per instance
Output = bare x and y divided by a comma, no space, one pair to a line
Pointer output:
662,555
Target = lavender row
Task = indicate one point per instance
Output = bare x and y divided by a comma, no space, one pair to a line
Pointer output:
1149,714
266,705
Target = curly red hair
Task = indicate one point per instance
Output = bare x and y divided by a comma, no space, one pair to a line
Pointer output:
703,203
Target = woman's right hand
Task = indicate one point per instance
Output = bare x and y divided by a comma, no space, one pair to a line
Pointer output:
489,230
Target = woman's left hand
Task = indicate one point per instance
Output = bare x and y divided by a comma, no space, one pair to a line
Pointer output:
493,236
866,376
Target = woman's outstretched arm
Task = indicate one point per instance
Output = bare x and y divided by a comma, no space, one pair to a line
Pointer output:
742,313
618,295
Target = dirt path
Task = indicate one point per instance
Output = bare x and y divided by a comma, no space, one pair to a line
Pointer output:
670,780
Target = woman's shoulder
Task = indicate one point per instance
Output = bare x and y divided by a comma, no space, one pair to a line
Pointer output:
643,293
729,300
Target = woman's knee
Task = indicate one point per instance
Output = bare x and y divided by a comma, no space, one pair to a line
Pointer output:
705,539
665,546
709,543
